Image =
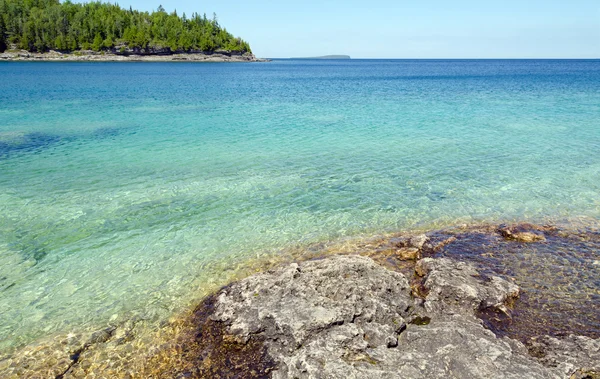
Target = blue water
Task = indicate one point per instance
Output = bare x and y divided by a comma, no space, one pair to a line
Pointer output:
133,187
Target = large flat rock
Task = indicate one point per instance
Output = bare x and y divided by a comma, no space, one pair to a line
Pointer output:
348,317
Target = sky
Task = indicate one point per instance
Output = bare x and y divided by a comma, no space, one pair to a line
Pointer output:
405,29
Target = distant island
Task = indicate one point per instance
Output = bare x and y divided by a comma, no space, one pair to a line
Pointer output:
54,30
327,57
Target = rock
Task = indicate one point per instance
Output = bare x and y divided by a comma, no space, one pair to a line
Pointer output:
101,336
47,359
403,253
347,317
574,356
307,299
135,54
74,355
585,373
451,286
418,241
409,253
459,347
400,242
528,237
521,233
405,248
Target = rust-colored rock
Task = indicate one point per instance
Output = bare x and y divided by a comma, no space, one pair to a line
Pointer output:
409,253
522,233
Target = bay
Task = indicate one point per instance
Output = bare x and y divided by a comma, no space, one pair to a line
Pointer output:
133,187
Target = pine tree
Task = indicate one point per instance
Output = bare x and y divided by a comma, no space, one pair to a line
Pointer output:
39,25
98,42
108,42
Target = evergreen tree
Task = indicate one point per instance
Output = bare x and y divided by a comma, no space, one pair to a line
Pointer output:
98,42
108,42
40,25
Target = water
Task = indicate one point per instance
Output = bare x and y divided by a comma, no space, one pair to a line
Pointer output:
559,278
133,187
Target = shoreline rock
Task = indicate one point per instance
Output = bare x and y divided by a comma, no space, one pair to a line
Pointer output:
348,317
92,56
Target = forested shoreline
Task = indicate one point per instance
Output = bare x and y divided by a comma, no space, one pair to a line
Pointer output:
43,25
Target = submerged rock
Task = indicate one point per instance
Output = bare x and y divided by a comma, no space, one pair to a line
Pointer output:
408,248
522,233
409,253
348,317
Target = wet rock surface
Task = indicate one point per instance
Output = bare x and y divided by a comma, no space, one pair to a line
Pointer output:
522,233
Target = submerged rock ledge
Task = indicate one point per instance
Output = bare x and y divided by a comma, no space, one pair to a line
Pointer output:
400,309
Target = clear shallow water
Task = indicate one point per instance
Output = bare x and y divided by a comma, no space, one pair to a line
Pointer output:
558,278
129,187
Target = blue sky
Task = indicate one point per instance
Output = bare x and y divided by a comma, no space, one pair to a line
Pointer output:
406,29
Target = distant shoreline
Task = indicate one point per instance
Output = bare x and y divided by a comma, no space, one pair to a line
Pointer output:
333,57
92,56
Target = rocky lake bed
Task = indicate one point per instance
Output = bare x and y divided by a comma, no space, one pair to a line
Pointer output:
494,301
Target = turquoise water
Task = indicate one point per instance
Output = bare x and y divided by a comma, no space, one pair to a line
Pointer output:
128,187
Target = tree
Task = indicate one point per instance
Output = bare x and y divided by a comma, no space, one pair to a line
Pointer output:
98,42
39,25
108,42
27,37
60,43
71,43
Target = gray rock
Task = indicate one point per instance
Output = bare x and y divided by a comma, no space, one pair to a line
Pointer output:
418,241
569,354
459,347
347,317
339,317
453,286
294,304
135,54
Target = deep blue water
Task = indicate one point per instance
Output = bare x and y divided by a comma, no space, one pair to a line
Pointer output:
133,187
